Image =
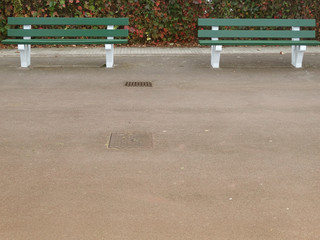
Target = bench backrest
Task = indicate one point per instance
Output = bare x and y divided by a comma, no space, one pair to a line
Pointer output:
65,32
295,24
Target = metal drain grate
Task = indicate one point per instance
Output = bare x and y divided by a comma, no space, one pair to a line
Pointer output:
130,140
138,84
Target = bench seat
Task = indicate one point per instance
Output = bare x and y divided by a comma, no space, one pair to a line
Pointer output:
255,32
66,31
258,42
64,41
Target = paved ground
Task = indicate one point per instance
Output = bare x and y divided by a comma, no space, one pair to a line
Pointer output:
125,51
234,155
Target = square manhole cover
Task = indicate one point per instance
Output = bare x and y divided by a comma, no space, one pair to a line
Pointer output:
130,140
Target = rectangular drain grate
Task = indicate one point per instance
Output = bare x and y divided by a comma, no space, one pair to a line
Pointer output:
138,84
129,140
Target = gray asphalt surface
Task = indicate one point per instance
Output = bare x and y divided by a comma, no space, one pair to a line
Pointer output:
234,152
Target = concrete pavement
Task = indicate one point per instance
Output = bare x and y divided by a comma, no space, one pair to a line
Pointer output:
133,51
234,154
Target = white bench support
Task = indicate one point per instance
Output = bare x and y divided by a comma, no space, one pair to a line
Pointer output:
297,55
109,51
25,51
215,51
297,51
215,55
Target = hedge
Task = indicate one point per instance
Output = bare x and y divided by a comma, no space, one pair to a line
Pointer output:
156,22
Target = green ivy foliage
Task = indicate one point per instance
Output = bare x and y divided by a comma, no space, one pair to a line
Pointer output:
157,22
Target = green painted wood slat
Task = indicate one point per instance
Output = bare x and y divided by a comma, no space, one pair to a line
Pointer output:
67,21
258,42
257,22
64,41
256,34
67,33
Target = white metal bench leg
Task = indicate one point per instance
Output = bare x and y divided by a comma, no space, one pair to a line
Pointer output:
215,55
215,51
109,51
293,55
297,55
109,55
28,54
297,51
25,50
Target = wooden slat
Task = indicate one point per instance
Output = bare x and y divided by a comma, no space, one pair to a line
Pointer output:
256,34
67,33
68,21
257,22
64,41
257,42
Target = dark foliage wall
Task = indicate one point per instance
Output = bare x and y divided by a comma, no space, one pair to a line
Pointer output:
157,22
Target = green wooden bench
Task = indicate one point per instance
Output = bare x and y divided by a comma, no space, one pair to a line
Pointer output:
265,32
92,34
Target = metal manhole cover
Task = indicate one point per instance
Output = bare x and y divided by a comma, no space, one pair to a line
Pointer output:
138,84
130,140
